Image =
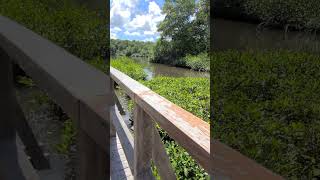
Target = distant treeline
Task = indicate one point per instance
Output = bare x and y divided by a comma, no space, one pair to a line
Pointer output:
296,14
131,48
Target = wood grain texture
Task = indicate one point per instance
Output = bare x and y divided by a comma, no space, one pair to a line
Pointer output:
94,161
119,165
124,135
143,129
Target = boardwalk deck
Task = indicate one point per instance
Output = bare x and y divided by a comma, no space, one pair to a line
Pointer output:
119,165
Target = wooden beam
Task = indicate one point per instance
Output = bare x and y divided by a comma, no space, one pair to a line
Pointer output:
142,145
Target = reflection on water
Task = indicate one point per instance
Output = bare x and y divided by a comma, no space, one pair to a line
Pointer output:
240,35
155,69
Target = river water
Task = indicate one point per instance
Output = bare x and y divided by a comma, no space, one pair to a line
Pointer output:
155,69
241,35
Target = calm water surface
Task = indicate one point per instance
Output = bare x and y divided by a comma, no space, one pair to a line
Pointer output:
241,35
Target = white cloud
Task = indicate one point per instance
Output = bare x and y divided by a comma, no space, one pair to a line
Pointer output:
121,11
116,29
132,33
113,36
147,23
154,8
126,19
148,39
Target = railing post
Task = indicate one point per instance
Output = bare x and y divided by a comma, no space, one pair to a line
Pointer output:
93,162
143,133
112,128
9,166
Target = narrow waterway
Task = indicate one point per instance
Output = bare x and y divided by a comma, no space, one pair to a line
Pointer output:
242,35
155,69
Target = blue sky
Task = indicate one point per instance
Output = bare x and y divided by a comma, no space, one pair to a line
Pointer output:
135,19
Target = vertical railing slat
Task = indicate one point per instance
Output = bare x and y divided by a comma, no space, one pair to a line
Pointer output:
143,129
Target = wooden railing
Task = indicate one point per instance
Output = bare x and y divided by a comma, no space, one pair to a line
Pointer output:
87,96
82,91
189,131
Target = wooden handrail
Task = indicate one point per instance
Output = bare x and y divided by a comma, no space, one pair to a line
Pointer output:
189,131
81,90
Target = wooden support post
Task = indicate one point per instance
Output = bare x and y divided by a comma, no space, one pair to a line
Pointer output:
94,161
143,130
112,128
9,166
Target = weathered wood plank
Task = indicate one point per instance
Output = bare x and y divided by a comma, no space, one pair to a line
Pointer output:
143,129
124,134
94,161
189,131
119,165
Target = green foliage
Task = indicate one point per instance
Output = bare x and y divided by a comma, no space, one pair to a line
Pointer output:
25,81
131,48
185,30
100,64
67,138
299,14
266,105
192,94
129,67
200,62
78,30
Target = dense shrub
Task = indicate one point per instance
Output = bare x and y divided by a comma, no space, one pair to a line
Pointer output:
129,67
200,62
131,48
78,30
192,94
298,13
267,106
